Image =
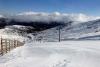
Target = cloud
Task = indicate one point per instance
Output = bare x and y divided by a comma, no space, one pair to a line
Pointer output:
48,17
1,16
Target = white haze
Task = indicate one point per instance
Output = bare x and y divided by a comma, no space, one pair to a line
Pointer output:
1,16
56,16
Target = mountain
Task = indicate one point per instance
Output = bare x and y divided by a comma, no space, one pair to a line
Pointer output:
17,29
45,25
83,31
41,21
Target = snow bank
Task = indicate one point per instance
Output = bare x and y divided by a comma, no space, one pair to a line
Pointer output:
54,54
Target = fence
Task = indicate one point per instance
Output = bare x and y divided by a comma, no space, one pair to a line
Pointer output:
7,45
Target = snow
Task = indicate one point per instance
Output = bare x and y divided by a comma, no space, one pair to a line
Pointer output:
54,54
16,32
88,30
13,37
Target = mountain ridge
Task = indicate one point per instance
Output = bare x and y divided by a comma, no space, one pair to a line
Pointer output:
71,28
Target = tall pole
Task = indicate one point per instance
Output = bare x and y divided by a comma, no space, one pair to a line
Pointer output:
59,35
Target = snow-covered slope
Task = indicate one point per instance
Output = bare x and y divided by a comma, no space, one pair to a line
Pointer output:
54,54
16,29
18,32
76,26
87,30
42,19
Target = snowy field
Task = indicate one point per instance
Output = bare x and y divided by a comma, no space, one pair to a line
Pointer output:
54,54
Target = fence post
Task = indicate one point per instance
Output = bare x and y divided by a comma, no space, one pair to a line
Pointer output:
9,44
17,43
1,47
6,48
14,43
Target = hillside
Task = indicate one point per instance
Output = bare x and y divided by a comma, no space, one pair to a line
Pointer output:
45,26
83,31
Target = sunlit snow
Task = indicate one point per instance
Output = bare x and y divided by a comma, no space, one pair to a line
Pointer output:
54,54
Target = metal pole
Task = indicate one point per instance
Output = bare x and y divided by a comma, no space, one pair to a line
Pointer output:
59,35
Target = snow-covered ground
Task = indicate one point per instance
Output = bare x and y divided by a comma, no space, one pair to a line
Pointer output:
86,31
48,53
54,54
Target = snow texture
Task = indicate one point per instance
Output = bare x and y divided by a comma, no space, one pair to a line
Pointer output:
82,31
54,54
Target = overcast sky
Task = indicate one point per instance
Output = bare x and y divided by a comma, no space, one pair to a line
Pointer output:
90,7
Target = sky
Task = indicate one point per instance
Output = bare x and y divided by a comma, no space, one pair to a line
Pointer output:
90,7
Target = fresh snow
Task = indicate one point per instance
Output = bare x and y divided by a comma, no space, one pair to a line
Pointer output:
17,32
54,54
88,30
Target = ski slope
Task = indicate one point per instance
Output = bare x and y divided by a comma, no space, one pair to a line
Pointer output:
54,54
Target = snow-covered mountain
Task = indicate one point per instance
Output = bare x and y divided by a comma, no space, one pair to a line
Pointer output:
41,20
83,31
16,31
74,26
46,27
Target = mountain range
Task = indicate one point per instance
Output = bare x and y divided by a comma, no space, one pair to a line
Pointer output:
45,26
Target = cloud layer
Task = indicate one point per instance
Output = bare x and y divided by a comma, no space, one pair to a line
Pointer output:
56,16
48,17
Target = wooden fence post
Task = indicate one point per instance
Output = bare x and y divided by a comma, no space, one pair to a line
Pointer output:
14,43
17,43
6,46
1,47
9,44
